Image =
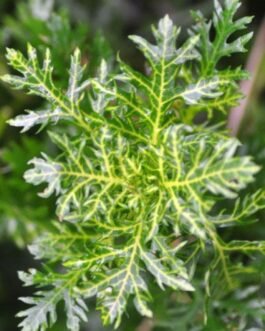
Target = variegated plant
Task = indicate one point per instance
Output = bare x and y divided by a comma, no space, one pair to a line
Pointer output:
139,184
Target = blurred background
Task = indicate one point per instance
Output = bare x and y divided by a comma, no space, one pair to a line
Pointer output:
101,27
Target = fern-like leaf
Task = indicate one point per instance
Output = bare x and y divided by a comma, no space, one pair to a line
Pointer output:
136,181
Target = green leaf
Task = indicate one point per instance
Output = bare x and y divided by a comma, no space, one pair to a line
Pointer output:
138,183
43,314
225,26
163,277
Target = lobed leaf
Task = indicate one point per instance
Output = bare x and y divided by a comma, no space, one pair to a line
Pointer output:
137,182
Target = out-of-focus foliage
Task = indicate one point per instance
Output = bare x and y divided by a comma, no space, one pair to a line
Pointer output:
252,130
57,32
22,212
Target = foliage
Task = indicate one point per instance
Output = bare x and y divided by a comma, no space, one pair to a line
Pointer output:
139,185
23,215
57,32
21,218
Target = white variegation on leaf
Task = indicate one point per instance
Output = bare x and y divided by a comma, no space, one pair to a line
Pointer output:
45,171
35,118
137,182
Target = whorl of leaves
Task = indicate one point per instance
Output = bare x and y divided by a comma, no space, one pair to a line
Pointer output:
137,182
